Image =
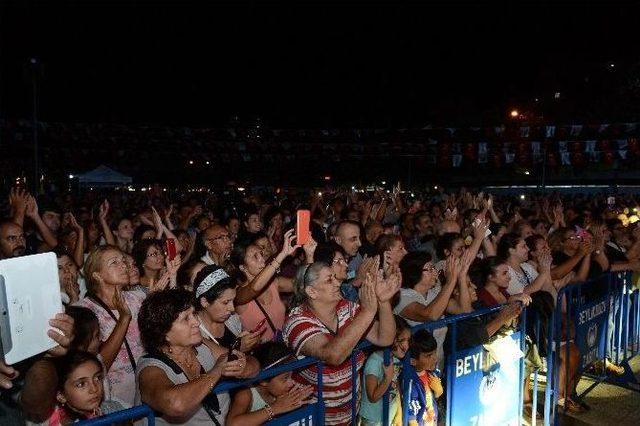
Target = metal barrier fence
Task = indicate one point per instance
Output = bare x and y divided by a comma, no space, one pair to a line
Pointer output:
470,387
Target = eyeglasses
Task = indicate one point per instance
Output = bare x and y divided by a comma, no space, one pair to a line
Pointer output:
340,260
155,254
15,238
429,268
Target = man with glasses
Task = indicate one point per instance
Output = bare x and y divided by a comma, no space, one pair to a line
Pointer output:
12,241
217,241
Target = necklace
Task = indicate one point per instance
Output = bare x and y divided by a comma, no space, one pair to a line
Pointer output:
187,364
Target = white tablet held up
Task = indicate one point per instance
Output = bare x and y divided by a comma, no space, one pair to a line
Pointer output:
29,298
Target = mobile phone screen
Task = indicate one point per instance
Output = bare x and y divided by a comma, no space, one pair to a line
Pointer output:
302,226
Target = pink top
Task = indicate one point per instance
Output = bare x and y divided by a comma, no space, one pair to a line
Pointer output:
251,315
121,375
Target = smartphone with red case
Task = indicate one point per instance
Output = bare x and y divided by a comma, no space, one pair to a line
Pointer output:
259,326
171,248
302,226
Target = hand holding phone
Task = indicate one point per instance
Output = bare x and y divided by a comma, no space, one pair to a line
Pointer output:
233,347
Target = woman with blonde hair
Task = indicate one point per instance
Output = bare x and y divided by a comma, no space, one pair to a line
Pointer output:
107,274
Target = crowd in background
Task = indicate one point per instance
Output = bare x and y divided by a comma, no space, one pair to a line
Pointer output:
242,295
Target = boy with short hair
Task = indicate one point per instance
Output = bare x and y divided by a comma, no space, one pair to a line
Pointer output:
421,382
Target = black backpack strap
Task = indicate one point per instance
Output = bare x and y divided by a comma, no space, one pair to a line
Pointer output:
104,306
210,403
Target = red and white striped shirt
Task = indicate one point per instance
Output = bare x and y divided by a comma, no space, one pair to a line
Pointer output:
302,325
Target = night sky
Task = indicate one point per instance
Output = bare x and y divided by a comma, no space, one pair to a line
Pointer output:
317,66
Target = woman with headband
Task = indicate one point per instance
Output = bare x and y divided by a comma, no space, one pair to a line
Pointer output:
215,294
178,374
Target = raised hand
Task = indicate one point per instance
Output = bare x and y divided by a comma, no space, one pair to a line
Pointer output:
387,288
367,265
104,211
32,207
452,269
544,260
18,198
157,220
288,248
367,294
466,260
73,223
480,226
310,248
121,304
64,323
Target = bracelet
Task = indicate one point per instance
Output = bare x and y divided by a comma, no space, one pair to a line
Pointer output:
269,410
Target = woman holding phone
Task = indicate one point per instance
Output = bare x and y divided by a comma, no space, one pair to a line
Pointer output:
178,373
258,295
220,326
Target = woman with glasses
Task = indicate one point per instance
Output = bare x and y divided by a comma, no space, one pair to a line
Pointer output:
328,327
333,254
107,274
258,298
155,272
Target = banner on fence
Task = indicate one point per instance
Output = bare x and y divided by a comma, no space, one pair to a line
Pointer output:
590,324
486,390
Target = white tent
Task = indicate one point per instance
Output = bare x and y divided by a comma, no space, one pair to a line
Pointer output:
103,176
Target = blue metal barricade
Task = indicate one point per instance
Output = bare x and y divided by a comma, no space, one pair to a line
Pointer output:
573,323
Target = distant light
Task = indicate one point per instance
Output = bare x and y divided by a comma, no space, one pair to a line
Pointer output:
514,113
71,176
536,99
240,188
327,178
353,188
388,191
319,194
522,197
164,189
557,95
412,194
190,161
612,65
435,187
526,172
207,163
384,182
143,189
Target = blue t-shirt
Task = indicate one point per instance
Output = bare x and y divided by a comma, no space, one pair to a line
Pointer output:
375,367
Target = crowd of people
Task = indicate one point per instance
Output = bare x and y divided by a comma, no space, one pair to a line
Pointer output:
241,295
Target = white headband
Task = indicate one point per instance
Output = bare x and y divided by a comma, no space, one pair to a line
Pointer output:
212,279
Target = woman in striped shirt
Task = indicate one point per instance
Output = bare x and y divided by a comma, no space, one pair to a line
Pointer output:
328,327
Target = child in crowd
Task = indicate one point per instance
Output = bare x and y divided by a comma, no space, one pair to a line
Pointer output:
86,338
422,380
80,391
271,397
378,378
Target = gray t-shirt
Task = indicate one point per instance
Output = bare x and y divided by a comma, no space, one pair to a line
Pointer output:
200,417
409,296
